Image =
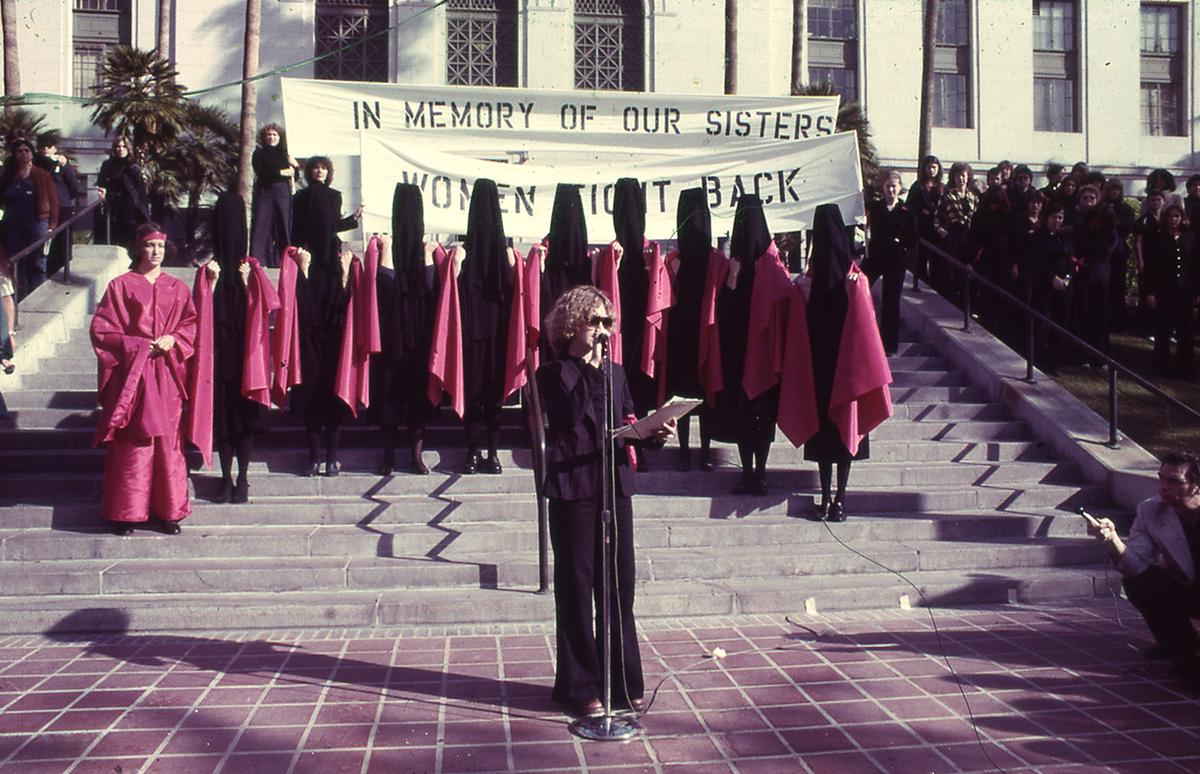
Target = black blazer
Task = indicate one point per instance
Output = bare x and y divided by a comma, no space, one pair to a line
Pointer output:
568,391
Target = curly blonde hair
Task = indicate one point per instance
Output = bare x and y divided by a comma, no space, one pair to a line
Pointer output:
572,311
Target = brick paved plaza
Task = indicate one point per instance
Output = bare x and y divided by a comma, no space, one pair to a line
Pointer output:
1051,688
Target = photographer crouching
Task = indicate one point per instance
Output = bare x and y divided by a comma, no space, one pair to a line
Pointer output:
1159,562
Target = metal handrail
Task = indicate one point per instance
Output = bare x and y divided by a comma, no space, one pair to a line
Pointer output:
49,236
1033,317
537,436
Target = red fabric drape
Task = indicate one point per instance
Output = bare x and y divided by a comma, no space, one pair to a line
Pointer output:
198,427
285,338
445,352
860,400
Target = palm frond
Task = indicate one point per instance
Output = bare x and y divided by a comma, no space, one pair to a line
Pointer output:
851,118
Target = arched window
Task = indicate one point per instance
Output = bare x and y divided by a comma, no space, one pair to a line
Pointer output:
354,35
481,42
608,45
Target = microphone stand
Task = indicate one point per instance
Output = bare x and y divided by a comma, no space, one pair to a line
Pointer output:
607,727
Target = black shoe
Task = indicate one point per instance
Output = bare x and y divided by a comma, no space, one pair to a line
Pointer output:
492,465
706,462
418,467
837,512
314,470
685,461
226,492
120,528
388,465
333,469
588,709
643,465
171,527
758,486
473,464
822,511
241,492
745,486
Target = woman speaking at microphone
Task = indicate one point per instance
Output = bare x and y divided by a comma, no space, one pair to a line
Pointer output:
572,392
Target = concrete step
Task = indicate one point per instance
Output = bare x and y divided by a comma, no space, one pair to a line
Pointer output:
197,610
785,477
502,567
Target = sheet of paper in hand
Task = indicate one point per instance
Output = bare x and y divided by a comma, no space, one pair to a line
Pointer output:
651,424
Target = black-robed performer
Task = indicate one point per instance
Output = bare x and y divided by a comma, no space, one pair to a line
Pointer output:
567,261
629,223
829,265
694,235
321,300
485,287
407,288
738,419
236,418
572,391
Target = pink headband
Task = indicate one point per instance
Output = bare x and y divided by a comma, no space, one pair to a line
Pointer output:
155,236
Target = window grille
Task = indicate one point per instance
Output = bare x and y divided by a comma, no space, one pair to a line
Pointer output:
608,45
1162,95
352,31
1055,66
952,66
481,43
98,25
833,46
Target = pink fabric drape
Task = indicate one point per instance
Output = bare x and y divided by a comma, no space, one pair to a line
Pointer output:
861,399
445,352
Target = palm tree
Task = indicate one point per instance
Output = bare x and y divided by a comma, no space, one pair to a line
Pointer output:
799,38
731,46
139,97
851,118
249,96
201,161
17,120
12,63
929,50
164,29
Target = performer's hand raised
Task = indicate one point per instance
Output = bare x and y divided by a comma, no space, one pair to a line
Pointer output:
213,270
303,260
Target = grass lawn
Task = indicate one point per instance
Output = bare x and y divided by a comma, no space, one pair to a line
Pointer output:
1140,415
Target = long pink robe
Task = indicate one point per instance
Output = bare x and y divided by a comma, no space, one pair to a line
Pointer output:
142,397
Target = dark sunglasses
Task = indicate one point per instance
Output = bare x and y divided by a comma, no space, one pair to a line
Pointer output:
605,321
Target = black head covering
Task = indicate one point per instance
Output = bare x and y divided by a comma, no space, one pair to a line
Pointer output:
750,237
486,279
832,253
693,224
566,255
408,230
629,214
229,236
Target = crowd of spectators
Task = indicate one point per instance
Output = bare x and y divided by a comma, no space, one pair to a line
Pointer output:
1075,250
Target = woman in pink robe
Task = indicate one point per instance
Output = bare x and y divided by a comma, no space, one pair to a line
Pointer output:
143,333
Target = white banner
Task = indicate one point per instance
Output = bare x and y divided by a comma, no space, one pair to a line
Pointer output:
325,118
792,179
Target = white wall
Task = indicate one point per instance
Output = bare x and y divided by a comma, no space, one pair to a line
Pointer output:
685,54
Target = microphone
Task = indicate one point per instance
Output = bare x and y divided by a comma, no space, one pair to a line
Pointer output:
602,337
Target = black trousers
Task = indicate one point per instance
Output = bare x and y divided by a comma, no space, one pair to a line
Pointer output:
1168,607
1174,315
271,224
889,314
575,538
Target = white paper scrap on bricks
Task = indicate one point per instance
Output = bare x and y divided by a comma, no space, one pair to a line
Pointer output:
325,117
791,179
